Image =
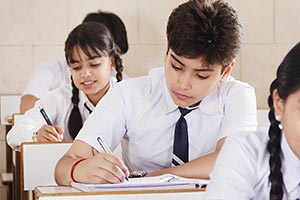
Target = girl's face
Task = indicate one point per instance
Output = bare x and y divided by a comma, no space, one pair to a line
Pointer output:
290,118
91,74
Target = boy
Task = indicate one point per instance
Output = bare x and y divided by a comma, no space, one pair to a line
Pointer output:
173,120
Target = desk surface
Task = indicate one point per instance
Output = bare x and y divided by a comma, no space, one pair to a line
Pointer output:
60,193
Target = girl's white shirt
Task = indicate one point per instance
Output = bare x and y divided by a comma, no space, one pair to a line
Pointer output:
58,106
242,169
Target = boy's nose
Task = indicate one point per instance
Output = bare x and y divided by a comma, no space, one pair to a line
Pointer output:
185,82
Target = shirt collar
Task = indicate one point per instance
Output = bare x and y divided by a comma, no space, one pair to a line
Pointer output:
209,105
84,99
290,166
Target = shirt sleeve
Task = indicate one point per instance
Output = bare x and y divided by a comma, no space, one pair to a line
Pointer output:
234,173
239,111
108,120
42,79
31,122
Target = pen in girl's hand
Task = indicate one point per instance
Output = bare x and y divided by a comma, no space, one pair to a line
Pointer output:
46,117
106,149
48,120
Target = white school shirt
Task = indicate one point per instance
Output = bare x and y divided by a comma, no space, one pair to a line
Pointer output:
51,74
242,169
58,106
140,113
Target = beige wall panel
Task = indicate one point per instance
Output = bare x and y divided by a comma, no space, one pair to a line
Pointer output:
125,9
142,58
257,19
259,65
153,17
287,21
33,21
16,64
42,53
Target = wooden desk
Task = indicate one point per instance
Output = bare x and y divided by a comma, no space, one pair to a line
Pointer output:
62,193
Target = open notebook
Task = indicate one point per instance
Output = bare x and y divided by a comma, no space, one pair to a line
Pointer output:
167,181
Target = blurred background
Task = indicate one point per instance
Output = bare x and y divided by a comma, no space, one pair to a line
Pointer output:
34,30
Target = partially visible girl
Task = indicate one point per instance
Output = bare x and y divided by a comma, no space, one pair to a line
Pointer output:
265,165
91,54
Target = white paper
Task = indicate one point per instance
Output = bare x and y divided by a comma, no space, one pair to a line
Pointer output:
163,181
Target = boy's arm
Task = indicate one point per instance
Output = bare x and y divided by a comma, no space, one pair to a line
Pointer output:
87,165
198,168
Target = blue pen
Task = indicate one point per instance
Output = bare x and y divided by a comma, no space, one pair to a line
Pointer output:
106,149
168,179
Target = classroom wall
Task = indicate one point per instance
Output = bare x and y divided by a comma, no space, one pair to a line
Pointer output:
34,30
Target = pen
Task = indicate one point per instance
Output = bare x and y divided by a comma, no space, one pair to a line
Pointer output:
43,112
106,149
168,179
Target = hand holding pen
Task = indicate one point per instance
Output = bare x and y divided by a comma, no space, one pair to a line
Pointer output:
49,132
107,150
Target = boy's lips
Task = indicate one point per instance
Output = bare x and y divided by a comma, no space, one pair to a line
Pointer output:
181,96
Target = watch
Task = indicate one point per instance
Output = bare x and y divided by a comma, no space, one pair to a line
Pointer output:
137,174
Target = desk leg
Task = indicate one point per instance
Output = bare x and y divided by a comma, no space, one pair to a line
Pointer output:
19,194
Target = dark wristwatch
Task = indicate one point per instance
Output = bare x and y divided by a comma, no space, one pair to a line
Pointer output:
137,174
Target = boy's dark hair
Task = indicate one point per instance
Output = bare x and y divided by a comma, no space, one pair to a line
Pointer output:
89,37
114,24
287,82
207,29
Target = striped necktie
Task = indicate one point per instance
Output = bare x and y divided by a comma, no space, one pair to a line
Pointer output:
181,140
85,105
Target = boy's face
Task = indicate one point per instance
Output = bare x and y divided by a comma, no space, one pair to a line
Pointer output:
189,81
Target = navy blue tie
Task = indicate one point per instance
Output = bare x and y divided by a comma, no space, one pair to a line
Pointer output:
181,140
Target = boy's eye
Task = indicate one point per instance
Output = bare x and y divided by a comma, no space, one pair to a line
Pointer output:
175,67
94,64
202,77
76,68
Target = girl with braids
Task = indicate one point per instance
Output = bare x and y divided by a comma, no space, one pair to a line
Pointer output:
265,165
91,54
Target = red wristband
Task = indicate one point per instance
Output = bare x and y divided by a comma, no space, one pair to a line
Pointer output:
73,167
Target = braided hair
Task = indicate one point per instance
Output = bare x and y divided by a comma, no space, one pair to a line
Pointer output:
95,37
287,81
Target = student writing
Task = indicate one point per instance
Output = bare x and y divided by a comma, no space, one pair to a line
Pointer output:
91,54
192,98
265,165
54,73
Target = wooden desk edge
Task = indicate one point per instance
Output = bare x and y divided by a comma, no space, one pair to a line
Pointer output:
38,193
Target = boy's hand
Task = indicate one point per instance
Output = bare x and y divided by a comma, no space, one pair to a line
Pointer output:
101,168
49,133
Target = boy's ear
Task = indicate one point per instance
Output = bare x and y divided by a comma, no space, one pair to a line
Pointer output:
227,71
278,103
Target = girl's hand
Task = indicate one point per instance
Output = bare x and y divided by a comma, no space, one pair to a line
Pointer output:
49,133
101,168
